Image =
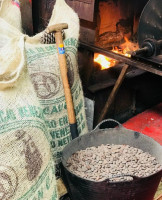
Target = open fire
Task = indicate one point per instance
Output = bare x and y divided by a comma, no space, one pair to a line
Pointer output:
124,49
104,61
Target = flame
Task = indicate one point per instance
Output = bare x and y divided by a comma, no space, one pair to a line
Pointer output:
104,61
126,48
123,49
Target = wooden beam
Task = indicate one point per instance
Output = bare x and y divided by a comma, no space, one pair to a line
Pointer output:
114,92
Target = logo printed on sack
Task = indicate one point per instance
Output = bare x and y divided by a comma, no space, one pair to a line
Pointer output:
8,182
46,84
33,157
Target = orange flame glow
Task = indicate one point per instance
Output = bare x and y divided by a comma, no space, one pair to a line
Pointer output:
126,48
104,61
123,49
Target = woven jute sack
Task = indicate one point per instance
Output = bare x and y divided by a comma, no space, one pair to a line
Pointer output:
10,12
42,62
26,165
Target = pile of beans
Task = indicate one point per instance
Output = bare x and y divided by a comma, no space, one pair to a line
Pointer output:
113,162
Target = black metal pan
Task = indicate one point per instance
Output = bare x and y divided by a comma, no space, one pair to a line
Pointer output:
138,189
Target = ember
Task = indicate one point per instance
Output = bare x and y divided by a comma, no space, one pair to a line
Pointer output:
104,61
124,49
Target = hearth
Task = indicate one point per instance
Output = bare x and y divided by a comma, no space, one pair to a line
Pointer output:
113,28
120,38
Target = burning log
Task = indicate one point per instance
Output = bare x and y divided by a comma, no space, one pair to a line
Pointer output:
108,39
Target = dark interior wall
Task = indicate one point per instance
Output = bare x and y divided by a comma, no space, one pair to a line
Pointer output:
26,15
138,4
135,96
35,14
42,10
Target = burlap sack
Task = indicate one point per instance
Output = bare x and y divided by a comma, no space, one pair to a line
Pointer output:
10,12
42,61
26,167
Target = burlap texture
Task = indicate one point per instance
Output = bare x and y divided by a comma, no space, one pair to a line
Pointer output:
42,62
10,12
26,165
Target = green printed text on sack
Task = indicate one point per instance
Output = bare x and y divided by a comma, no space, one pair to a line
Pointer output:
9,115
